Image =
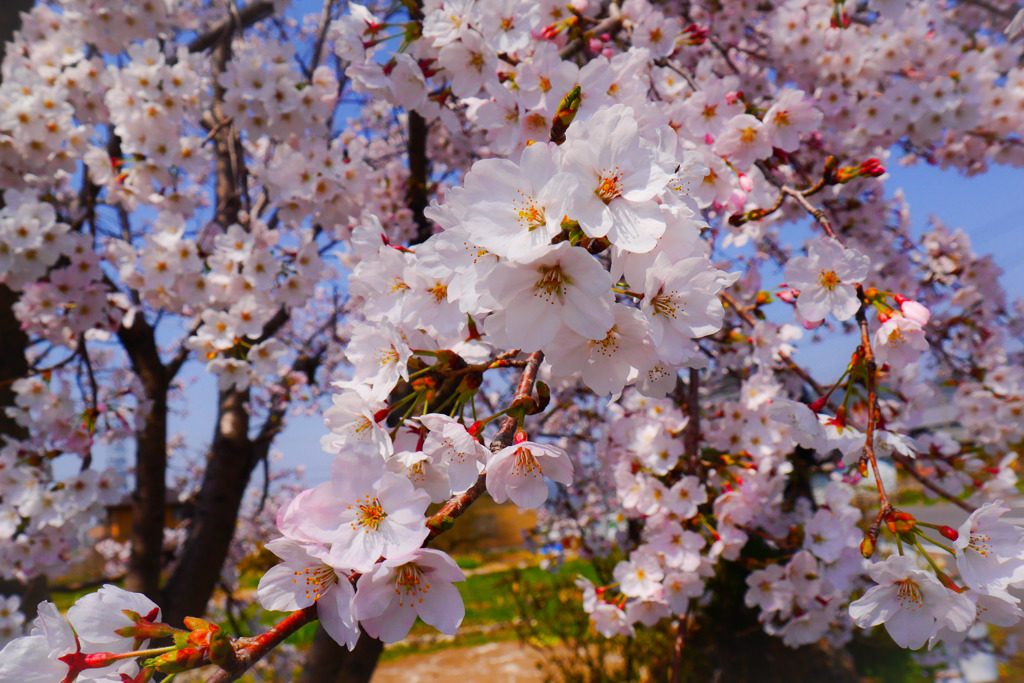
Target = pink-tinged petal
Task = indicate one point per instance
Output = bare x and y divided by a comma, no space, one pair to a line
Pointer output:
591,213
636,226
288,550
558,468
28,660
845,303
396,493
335,613
910,629
530,322
374,593
280,591
868,611
438,565
401,539
393,626
442,608
529,492
360,553
799,273
814,303
589,317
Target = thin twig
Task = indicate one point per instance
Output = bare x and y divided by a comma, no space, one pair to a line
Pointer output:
503,439
911,469
872,371
815,212
692,438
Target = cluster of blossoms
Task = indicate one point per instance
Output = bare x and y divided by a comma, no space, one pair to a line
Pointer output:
594,194
98,640
12,621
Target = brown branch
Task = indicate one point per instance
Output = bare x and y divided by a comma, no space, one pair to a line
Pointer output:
692,438
677,650
1007,14
224,29
911,469
744,314
419,175
815,212
148,499
872,372
457,505
321,37
610,25
248,651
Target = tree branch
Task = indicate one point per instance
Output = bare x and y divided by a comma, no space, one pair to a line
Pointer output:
253,13
503,439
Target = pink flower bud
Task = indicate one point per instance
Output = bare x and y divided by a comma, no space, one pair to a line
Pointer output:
812,324
789,295
914,311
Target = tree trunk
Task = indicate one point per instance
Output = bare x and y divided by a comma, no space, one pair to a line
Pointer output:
232,460
149,500
328,662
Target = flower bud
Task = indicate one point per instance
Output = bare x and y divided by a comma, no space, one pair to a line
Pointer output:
867,547
914,311
567,109
949,532
900,522
184,659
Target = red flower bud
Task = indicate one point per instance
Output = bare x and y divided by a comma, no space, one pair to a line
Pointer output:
949,532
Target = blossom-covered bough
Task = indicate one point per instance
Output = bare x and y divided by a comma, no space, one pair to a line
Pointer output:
500,245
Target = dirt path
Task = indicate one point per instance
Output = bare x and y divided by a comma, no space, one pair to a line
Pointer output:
508,662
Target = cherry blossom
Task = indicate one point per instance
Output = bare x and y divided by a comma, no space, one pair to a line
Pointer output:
302,580
990,552
825,278
911,603
363,513
518,473
400,589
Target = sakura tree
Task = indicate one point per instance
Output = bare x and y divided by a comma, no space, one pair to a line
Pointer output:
499,245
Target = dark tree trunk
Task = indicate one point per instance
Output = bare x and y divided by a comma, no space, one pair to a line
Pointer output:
13,365
149,500
328,662
233,457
